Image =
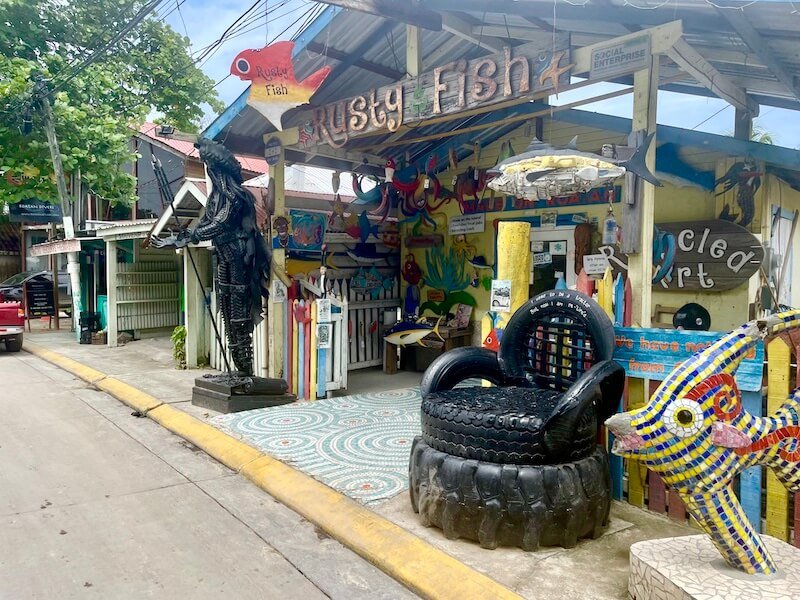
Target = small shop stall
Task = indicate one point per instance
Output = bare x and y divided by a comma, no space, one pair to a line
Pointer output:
645,217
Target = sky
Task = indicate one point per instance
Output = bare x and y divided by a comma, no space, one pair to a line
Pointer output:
206,20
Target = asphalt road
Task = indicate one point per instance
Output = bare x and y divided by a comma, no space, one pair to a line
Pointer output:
96,503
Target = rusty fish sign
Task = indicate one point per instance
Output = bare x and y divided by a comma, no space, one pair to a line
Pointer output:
704,255
460,85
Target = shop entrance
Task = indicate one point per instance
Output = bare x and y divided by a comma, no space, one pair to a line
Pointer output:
552,258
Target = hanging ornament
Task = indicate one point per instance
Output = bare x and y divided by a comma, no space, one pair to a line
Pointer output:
610,228
389,168
336,181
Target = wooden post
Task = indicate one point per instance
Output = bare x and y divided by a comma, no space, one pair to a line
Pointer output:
276,317
743,125
640,264
196,315
413,51
779,376
514,263
111,289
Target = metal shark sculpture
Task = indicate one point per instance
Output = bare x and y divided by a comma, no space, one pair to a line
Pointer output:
696,434
544,171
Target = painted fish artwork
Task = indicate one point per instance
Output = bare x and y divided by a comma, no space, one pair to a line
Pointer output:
406,333
695,433
273,86
544,171
370,282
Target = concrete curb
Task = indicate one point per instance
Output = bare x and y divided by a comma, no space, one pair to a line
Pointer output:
424,569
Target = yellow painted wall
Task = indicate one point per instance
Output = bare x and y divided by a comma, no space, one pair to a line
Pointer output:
728,309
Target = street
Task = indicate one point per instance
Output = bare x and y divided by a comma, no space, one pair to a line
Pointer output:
96,503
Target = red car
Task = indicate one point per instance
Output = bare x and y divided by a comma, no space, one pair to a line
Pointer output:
12,325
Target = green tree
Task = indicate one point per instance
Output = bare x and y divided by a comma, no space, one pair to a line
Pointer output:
149,70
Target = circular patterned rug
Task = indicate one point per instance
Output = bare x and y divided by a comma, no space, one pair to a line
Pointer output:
358,445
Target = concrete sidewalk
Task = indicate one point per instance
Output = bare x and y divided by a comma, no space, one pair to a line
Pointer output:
97,504
593,570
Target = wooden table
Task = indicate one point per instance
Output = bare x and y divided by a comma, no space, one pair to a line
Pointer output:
453,338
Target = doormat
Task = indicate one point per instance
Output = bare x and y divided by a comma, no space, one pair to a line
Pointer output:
359,445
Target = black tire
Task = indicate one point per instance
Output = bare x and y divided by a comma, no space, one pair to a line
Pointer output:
554,311
510,505
497,424
14,344
455,366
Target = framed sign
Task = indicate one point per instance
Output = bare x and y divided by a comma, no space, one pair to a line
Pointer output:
501,296
39,298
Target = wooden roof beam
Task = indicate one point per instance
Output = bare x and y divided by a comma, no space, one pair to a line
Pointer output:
459,27
372,67
693,63
740,22
397,10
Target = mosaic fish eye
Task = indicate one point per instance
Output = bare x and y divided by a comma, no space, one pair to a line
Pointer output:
683,418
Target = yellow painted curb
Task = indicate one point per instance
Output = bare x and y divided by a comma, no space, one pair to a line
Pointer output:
424,569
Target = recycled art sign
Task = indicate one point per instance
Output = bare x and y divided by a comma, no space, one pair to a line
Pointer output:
654,353
703,255
527,70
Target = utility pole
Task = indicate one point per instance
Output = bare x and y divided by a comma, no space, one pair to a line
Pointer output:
73,267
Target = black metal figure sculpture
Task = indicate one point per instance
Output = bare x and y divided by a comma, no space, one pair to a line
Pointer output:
243,257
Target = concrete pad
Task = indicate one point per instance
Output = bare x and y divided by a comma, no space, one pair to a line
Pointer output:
74,461
593,570
167,543
325,561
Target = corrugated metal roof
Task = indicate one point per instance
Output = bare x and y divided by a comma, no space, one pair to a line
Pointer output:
362,37
253,164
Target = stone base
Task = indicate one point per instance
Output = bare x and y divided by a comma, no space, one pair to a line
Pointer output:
235,395
690,567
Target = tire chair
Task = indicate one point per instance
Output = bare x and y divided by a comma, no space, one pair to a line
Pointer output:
518,464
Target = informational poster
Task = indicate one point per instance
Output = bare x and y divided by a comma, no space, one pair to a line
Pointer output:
595,264
475,223
500,300
324,335
323,311
278,293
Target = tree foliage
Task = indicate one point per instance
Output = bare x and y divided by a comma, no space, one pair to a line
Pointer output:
150,70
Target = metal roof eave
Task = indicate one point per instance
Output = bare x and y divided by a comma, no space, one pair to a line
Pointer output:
774,155
306,36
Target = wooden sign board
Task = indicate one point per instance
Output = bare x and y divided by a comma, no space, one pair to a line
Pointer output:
711,256
525,71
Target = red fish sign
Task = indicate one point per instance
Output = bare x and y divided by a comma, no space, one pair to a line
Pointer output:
274,89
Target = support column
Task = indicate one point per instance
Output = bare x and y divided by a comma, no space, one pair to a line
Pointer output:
413,51
640,264
111,289
276,313
743,125
196,315
514,263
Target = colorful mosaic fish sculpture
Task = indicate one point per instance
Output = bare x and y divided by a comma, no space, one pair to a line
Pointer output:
695,433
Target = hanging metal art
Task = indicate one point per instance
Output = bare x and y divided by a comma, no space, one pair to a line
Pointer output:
545,171
745,178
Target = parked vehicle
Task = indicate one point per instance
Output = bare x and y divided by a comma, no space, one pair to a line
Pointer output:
12,325
11,288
